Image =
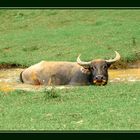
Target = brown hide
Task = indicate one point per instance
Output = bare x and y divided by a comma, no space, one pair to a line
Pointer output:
50,73
69,73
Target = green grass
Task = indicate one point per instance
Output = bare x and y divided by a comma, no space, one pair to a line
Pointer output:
112,107
62,34
29,36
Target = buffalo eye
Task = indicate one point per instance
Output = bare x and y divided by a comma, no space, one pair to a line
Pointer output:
105,67
93,67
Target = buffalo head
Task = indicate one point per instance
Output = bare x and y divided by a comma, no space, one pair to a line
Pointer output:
98,69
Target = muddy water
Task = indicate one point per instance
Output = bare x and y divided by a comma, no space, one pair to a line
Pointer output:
124,75
9,79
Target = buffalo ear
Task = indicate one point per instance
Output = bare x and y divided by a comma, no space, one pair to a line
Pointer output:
85,71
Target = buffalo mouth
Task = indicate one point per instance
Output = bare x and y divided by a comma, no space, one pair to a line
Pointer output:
99,82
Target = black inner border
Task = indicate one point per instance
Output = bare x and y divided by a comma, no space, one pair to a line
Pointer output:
86,4
69,3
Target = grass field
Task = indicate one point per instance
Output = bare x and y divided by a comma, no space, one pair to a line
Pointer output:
29,36
113,107
62,34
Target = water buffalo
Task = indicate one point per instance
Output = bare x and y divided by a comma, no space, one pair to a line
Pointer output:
94,72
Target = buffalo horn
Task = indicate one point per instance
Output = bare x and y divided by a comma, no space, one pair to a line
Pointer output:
82,63
117,57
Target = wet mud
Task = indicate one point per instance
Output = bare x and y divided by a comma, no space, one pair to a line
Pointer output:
9,79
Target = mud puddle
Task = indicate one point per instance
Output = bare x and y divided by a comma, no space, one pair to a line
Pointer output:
9,79
124,75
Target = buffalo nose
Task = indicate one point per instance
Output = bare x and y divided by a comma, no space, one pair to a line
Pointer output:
99,77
